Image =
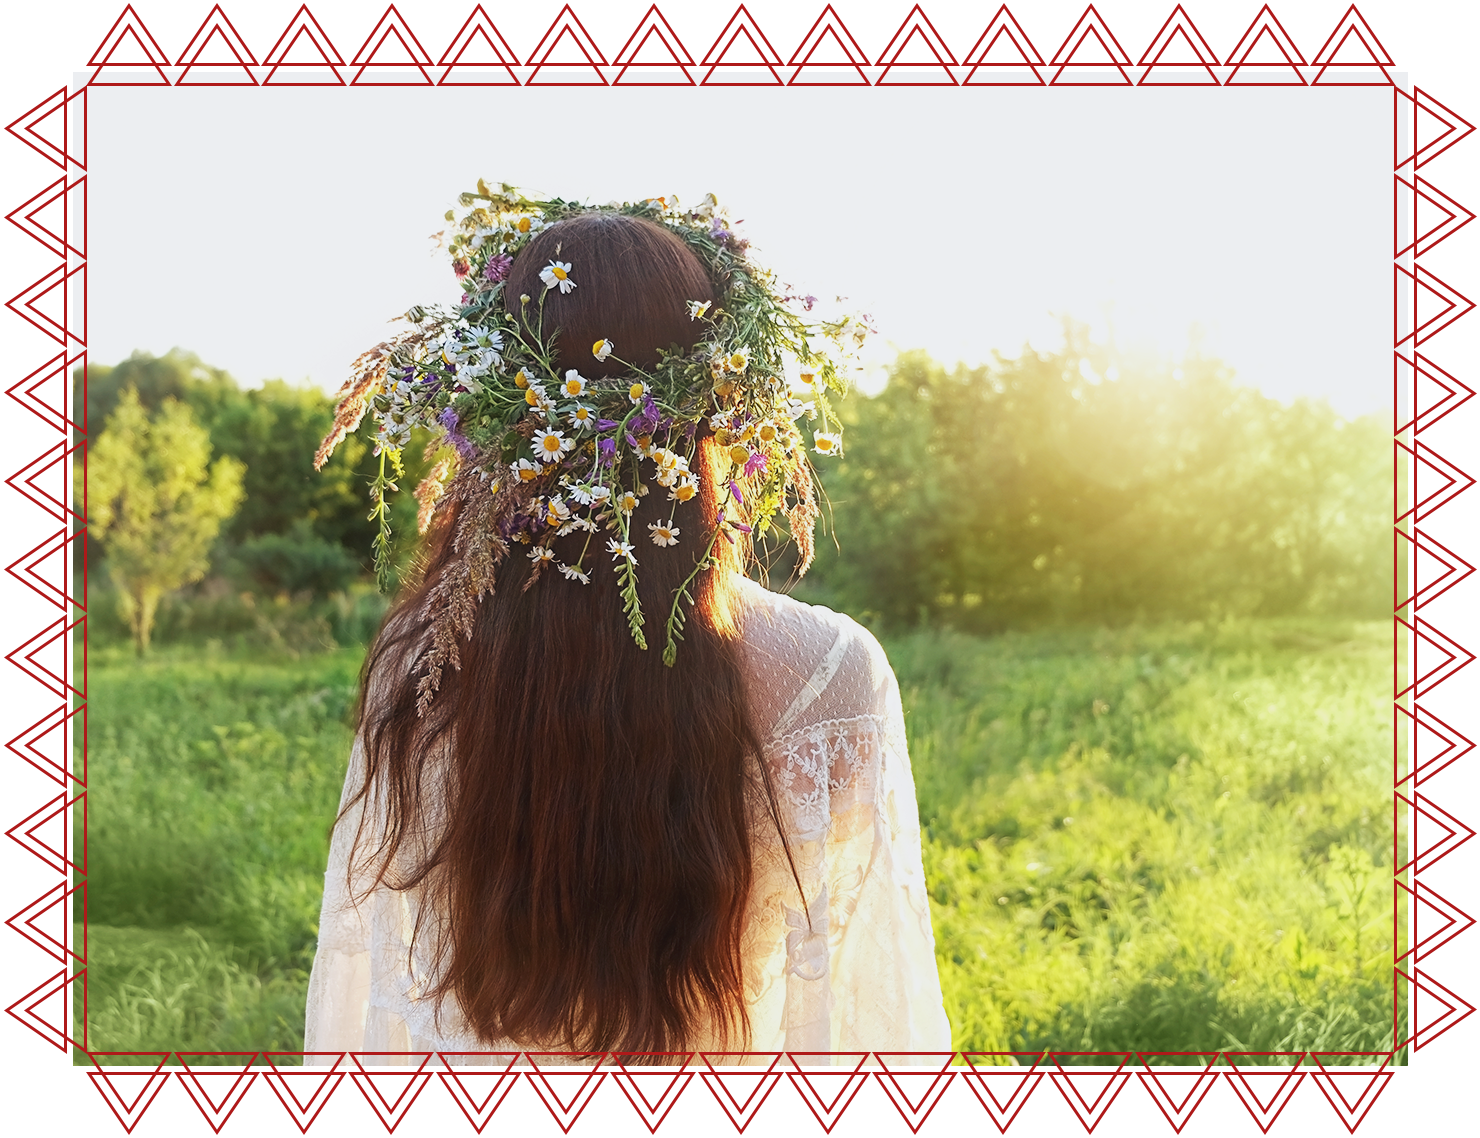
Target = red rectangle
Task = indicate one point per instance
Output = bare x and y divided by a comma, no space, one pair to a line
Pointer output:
1078,1092
1351,1094
357,1092
717,1092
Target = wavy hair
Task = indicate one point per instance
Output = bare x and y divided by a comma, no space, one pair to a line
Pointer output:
576,816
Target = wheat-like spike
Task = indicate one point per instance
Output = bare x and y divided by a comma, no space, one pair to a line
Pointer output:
801,517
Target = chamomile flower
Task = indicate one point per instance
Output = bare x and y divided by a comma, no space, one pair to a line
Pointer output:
600,496
557,275
602,349
738,360
807,374
719,421
551,446
574,386
698,308
826,442
571,573
557,513
582,417
766,432
541,553
528,471
521,379
683,489
620,549
523,224
796,408
739,454
534,393
637,392
663,533
627,501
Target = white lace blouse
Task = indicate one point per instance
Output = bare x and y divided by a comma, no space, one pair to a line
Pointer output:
862,977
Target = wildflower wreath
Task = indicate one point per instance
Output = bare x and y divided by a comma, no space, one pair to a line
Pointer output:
534,453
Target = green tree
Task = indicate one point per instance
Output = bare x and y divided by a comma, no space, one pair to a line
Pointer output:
156,502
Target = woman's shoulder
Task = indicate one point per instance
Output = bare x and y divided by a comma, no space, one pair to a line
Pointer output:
807,663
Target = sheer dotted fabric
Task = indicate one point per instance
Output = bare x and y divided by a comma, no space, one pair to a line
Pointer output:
851,970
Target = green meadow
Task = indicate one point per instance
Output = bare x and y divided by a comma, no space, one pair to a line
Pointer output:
1170,837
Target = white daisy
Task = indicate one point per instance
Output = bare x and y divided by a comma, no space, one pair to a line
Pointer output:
738,360
551,446
620,549
528,471
541,553
826,442
796,408
627,501
637,391
600,495
574,386
697,309
556,512
683,489
557,274
602,349
571,573
664,533
581,417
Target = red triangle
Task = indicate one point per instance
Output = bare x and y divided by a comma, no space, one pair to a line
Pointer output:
320,1085
1453,221
1160,1083
1264,1109
1265,40
53,504
847,1083
1428,907
128,1094
47,906
1003,56
53,582
45,745
928,1073
565,1111
216,1108
489,64
374,1087
1456,834
753,51
658,54
478,1112
723,1081
51,145
1355,52
56,638
829,29
219,50
52,233
46,306
1351,1093
1429,405
567,33
920,53
304,37
1109,59
53,852
669,1085
391,67
1435,744
1190,59
1454,127
45,1009
1429,463
1090,1112
1428,1027
129,36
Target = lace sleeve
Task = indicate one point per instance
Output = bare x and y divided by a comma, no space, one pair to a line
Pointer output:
856,970
339,985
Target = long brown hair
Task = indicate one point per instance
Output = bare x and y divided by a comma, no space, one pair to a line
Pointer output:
576,814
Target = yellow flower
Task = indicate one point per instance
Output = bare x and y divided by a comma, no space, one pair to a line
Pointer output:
602,348
766,432
739,453
575,384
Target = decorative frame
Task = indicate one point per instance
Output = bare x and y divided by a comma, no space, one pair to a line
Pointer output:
1429,554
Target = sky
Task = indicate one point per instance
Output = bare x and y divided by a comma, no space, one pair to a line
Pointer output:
274,232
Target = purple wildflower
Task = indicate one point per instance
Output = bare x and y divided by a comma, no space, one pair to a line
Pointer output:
735,493
606,424
448,418
497,268
606,451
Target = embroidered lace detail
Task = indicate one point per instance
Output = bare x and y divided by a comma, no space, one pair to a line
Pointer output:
847,965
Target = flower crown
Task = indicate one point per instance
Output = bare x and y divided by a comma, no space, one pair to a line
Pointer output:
535,452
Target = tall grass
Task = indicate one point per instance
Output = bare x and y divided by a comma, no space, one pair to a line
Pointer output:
1169,838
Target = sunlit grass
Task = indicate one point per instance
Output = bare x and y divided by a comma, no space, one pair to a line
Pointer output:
1170,838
